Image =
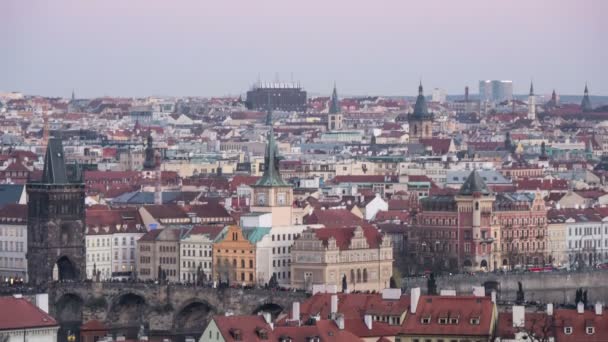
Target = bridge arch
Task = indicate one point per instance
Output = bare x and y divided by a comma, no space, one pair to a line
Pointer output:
273,308
68,312
193,315
128,309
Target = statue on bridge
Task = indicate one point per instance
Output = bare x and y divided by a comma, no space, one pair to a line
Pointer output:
520,293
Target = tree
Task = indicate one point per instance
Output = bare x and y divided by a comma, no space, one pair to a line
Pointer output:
344,284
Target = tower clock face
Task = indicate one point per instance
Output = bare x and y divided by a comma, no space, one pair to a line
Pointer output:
261,199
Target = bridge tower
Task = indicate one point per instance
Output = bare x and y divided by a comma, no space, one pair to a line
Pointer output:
56,221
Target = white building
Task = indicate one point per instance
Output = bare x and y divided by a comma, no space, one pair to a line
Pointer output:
586,237
439,95
273,251
196,251
13,243
111,237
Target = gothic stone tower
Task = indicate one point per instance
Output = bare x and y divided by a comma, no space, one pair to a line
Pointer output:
420,121
56,222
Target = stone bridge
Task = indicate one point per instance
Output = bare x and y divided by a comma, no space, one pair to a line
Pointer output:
549,287
176,309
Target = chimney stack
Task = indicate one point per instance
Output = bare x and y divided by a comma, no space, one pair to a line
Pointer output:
580,307
493,295
550,309
466,94
334,305
368,321
599,309
519,316
340,321
414,298
295,311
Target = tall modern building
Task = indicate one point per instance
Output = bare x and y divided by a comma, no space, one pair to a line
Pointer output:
495,90
279,96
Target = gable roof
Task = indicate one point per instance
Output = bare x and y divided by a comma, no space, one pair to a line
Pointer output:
23,314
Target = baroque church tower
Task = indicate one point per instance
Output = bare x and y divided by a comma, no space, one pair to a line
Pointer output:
531,104
420,121
56,221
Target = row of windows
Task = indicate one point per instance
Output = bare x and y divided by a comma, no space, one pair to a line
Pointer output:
12,246
286,237
192,253
586,231
167,249
168,260
277,263
192,264
15,232
281,250
12,262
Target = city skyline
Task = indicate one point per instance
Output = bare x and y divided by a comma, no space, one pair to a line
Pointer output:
215,49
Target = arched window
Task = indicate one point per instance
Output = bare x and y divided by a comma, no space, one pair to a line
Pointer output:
476,205
242,263
250,263
358,275
234,263
365,275
352,276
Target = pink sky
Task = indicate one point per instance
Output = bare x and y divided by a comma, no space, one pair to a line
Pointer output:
203,47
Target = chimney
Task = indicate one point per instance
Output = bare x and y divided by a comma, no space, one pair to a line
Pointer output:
414,298
340,321
334,305
493,295
580,307
295,311
368,321
550,309
599,309
466,94
519,316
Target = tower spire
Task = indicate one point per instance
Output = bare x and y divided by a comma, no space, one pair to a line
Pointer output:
334,104
531,88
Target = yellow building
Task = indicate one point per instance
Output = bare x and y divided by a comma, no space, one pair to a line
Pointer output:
233,257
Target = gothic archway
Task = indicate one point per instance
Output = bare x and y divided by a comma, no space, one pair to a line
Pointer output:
64,269
193,317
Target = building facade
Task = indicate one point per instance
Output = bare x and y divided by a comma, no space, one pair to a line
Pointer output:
360,255
13,243
289,97
234,258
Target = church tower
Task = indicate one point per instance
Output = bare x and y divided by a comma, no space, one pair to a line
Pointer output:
271,194
56,222
531,104
586,103
334,118
152,170
420,121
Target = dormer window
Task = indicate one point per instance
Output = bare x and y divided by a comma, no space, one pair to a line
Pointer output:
453,320
475,321
567,330
590,330
426,320
443,320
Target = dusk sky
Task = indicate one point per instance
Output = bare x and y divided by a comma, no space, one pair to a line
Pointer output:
207,48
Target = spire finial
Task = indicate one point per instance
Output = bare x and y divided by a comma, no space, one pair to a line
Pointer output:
586,90
531,88
420,91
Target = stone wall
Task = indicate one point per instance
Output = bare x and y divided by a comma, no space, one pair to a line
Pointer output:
555,287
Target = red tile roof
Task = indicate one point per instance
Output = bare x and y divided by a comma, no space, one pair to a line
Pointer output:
353,305
344,236
333,218
438,145
462,307
579,323
327,330
21,314
247,326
